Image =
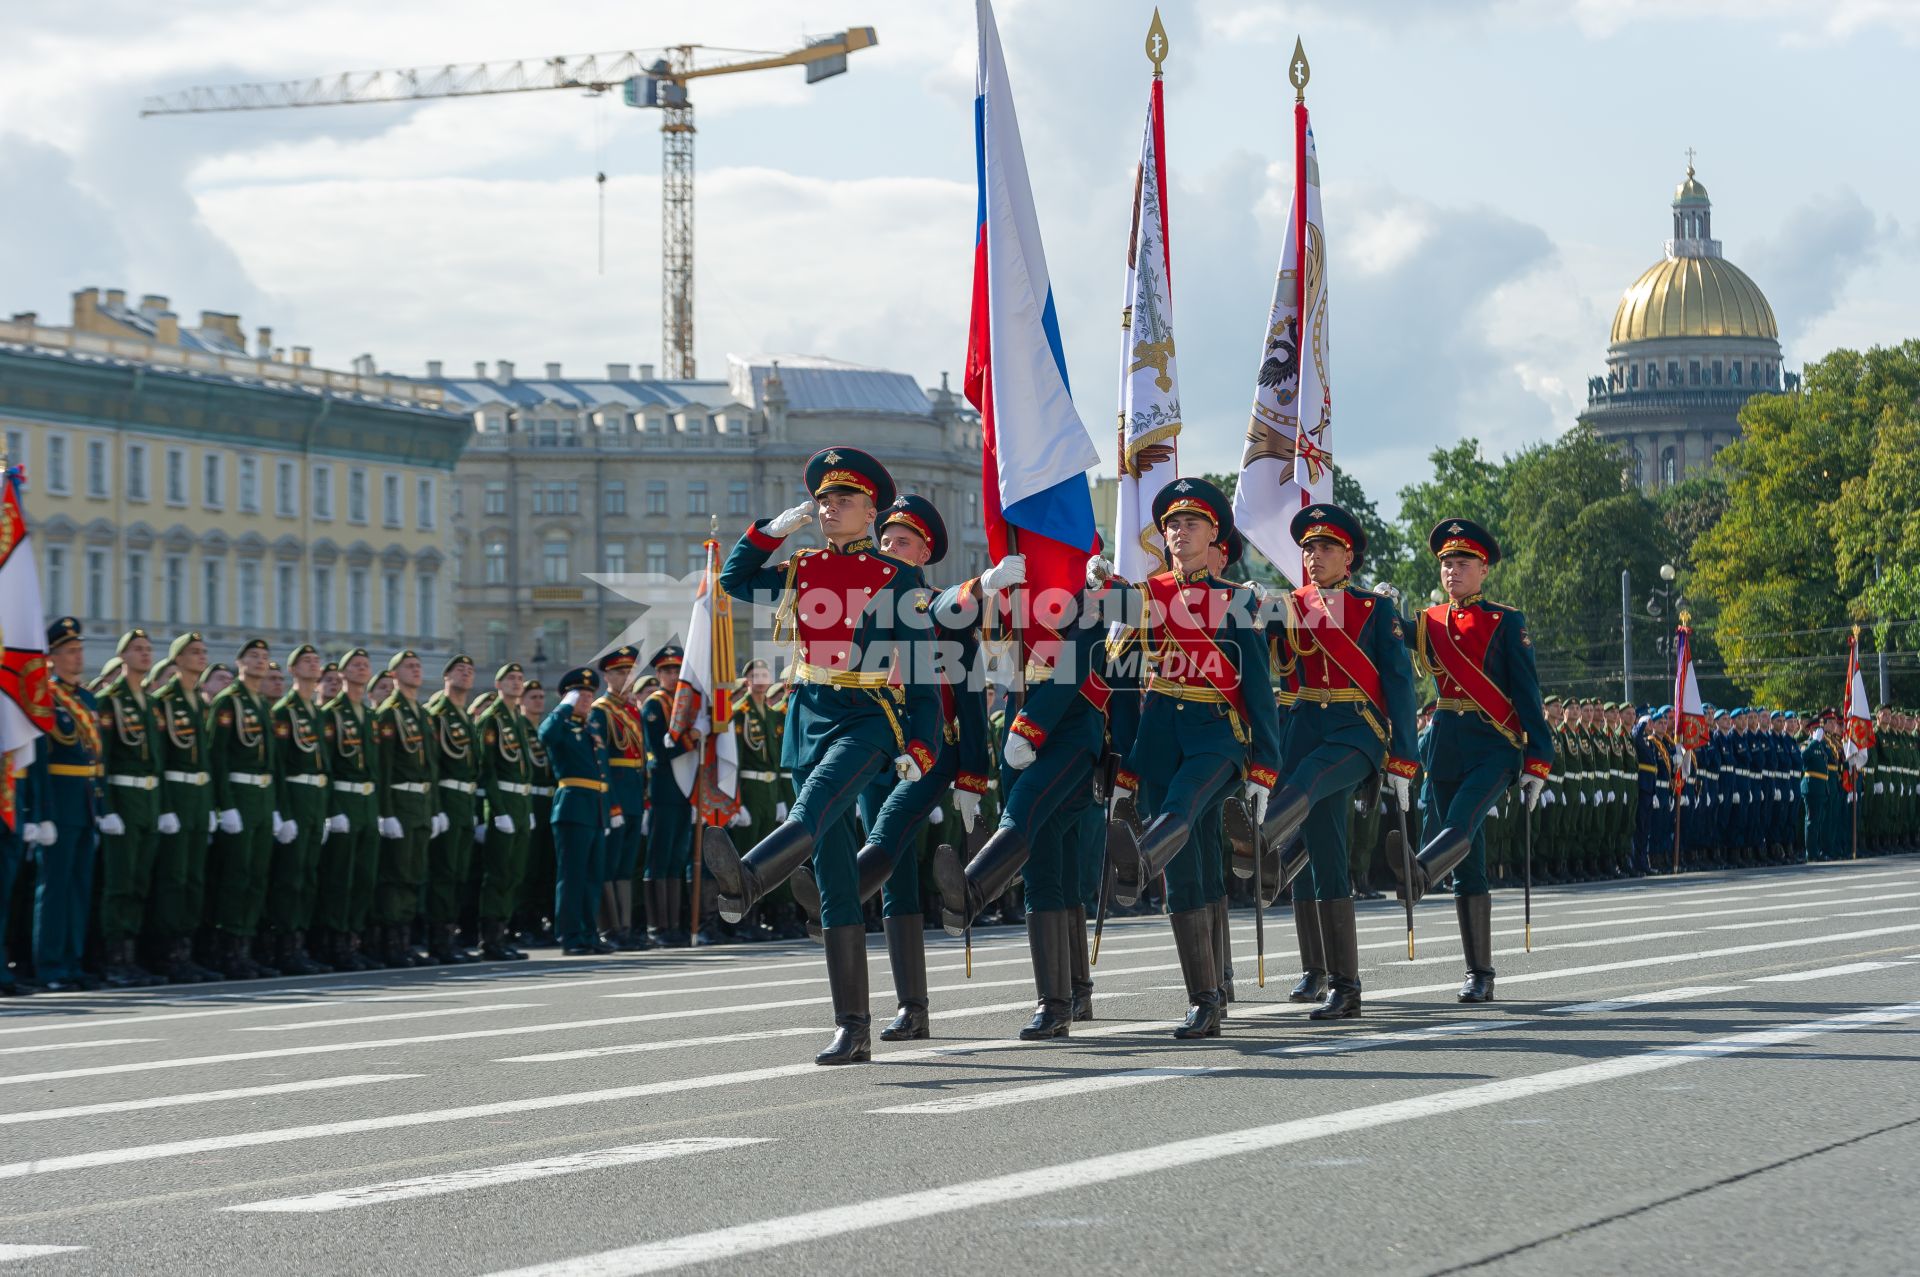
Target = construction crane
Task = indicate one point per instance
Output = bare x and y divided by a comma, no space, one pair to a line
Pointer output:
655,79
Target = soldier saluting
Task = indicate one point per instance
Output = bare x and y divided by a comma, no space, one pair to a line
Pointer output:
850,716
1489,728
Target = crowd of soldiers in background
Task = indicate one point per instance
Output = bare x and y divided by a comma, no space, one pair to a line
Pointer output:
191,821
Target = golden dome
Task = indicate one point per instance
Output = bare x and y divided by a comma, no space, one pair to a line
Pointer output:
1693,297
1690,191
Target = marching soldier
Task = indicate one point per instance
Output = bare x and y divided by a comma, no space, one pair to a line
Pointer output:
247,793
136,817
849,718
581,813
615,718
350,869
456,771
303,745
66,776
669,812
174,905
506,776
1490,728
408,759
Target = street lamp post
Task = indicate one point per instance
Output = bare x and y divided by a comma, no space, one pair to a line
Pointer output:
1666,595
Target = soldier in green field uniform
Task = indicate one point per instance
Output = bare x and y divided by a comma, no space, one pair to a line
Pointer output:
186,789
303,745
247,794
537,882
506,777
350,862
135,818
452,741
409,765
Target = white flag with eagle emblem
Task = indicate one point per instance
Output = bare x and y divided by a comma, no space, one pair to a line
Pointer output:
1288,463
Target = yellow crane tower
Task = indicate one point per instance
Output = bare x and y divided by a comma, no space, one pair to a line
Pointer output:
655,79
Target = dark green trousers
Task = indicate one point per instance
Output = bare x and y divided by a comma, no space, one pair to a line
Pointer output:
126,865
503,863
403,867
349,864
237,877
294,881
450,858
179,885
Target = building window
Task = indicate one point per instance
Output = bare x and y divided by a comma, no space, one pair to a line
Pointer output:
615,499
1693,372
390,603
249,485
657,559
1633,377
1673,373
17,449
285,597
285,489
423,503
176,476
423,610
1669,467
323,598
213,579
496,563
57,464
656,496
496,643
697,497
356,601
136,472
137,587
390,499
973,509
556,497
97,468
553,561
56,596
1716,372
697,557
738,497
1756,373
323,492
553,640
494,499
616,558
176,589
249,584
459,502
356,495
1653,375
213,476
97,583
1733,372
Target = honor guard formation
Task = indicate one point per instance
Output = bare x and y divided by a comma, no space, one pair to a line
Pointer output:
918,760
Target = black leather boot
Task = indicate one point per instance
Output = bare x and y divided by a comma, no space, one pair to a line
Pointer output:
742,880
1287,809
1158,846
653,891
1193,942
1078,963
1052,976
672,894
965,891
847,978
120,966
1222,949
806,894
261,971
907,957
1438,859
1313,952
1476,937
1341,936
298,961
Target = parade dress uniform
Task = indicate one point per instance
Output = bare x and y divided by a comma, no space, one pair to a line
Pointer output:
669,812
506,775
618,723
538,885
408,761
303,740
350,863
1489,729
246,791
765,793
131,759
19,794
581,812
178,894
66,774
450,854
849,718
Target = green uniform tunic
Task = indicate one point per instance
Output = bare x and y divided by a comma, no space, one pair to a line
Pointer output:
506,777
350,863
408,766
186,789
244,781
303,741
450,856
130,753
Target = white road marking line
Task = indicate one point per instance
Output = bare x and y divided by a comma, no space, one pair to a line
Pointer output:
14,1250
1362,1041
1043,1091
637,1048
487,1176
1632,1000
382,1019
201,1097
730,1244
68,1046
1848,968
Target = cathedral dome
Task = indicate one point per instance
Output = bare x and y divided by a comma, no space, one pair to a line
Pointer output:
1693,297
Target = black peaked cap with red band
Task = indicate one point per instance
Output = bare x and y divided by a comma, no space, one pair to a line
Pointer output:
911,510
1463,536
840,469
1195,496
1325,521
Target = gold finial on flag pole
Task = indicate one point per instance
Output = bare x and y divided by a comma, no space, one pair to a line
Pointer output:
1157,45
1298,71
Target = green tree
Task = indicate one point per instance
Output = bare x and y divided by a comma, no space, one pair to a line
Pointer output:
1464,485
1689,508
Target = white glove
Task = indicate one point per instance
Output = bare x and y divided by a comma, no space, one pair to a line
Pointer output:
1387,590
646,822
779,811
1878,787
906,769
440,824
1099,571
213,821
48,834
30,833
1020,752
326,830
786,521
230,821
111,825
1005,574
936,817
389,827
285,832
571,698
1402,790
1530,787
169,823
967,803
1256,796
479,832
740,819
1583,798
619,821
504,823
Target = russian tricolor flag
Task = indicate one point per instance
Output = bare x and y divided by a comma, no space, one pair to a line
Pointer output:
1037,450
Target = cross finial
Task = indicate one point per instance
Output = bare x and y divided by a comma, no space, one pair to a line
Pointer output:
1689,161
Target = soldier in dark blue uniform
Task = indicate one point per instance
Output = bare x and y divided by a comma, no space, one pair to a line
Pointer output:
581,813
617,719
66,770
854,613
1489,729
669,811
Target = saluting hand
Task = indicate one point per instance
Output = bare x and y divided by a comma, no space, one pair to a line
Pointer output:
787,521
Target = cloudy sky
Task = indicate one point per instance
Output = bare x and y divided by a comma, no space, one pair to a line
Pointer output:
1496,172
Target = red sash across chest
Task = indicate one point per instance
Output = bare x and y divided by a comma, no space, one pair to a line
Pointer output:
1188,615
1335,660
831,593
1458,640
